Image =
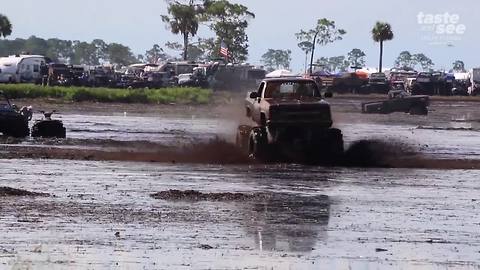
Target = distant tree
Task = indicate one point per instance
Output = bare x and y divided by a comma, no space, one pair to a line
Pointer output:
100,49
356,58
382,32
155,54
333,64
422,60
5,26
405,60
276,59
458,66
306,47
229,22
324,64
183,19
339,63
195,51
60,50
141,58
120,54
324,33
84,53
34,45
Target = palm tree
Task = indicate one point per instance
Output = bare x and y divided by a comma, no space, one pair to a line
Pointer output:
183,20
381,32
5,26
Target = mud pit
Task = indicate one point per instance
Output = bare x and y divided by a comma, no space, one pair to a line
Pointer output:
101,214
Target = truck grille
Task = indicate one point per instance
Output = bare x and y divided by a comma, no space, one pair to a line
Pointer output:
300,113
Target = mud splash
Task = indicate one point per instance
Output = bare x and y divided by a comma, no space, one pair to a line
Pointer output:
13,192
362,153
193,195
377,153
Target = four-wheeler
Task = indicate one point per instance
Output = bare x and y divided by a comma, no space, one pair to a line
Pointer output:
13,122
293,122
48,127
399,101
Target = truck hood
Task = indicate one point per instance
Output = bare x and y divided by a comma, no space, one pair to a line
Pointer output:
296,102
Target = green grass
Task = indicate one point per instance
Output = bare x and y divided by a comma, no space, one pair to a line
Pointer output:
183,95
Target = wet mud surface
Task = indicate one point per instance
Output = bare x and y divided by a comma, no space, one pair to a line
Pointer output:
166,190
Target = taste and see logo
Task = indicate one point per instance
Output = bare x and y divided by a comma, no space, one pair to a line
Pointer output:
441,24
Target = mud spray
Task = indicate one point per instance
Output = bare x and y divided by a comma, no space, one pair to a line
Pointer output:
363,153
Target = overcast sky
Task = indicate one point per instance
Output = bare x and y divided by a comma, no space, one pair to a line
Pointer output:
138,25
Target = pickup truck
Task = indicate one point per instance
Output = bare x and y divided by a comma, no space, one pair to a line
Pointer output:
291,116
399,101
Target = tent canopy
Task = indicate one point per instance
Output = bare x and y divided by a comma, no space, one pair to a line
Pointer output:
280,73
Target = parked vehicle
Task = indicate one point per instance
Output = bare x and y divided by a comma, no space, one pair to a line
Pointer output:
13,122
349,83
378,83
432,83
461,84
21,68
48,127
293,121
399,101
474,82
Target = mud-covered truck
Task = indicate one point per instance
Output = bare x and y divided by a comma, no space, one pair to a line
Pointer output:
292,122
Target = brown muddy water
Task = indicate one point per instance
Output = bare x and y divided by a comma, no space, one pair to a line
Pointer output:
90,209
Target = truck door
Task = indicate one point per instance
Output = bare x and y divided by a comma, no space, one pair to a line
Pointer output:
256,103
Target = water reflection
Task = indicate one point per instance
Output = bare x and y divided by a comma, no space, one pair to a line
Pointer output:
289,222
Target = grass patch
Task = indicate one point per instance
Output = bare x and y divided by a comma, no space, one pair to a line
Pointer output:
183,95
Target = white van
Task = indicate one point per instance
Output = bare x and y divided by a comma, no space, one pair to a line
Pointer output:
20,68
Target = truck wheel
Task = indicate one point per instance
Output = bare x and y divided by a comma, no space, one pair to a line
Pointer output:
335,145
258,145
18,130
328,149
418,110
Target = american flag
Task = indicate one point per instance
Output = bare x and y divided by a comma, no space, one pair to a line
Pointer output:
224,49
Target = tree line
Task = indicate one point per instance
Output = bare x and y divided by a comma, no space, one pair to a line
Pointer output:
228,22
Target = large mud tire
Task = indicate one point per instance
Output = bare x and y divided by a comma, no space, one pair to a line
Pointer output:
17,129
258,149
329,149
49,129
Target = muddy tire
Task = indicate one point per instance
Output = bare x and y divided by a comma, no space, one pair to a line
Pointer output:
258,149
334,145
329,149
49,129
17,129
418,110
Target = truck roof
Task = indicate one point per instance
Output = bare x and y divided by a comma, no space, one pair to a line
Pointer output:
288,79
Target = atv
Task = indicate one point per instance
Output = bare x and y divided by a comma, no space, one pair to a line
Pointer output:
13,122
48,127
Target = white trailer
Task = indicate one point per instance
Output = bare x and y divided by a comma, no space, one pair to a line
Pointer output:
20,68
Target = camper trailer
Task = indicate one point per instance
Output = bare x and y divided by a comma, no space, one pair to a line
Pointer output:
21,68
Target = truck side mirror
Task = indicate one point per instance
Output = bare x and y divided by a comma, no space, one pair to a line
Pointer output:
328,94
254,95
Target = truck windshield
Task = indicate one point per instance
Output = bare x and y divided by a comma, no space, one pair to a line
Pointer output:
291,90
